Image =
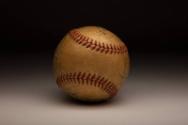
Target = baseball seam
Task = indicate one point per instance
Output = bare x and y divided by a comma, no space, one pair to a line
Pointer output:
88,79
95,45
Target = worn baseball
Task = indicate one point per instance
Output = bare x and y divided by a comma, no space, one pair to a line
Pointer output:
91,63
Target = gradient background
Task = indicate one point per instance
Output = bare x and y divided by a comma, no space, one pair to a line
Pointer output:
156,33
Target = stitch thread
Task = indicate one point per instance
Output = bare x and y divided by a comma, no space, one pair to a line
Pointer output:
88,79
96,45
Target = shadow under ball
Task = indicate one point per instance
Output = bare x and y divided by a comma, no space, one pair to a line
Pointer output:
91,63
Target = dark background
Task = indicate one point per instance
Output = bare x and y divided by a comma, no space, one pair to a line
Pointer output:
144,25
155,31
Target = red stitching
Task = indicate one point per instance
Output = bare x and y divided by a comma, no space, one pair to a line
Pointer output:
96,45
89,79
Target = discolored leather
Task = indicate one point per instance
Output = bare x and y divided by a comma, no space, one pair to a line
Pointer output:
91,63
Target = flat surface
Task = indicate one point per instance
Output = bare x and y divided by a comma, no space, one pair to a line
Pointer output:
155,93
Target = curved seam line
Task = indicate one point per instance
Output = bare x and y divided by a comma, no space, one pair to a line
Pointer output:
88,79
96,45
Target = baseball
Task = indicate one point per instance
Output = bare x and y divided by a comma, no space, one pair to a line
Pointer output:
91,63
